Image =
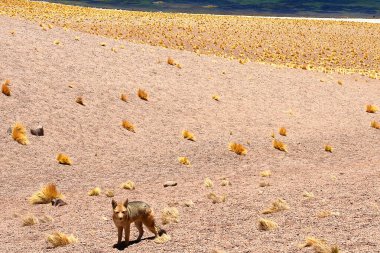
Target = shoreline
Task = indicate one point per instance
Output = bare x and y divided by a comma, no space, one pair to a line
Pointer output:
348,19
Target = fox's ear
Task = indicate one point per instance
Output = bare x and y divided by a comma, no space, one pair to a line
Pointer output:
114,204
126,203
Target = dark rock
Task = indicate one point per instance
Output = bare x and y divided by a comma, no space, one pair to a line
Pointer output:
38,131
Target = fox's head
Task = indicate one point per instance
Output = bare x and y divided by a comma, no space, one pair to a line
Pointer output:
120,210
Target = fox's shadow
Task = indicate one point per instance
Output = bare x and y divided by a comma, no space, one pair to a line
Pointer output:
123,246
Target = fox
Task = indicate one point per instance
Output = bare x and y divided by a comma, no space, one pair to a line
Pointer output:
125,213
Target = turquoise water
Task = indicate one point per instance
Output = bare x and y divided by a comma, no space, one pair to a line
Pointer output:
293,8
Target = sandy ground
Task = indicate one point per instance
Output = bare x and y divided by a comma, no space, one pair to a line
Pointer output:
255,100
325,45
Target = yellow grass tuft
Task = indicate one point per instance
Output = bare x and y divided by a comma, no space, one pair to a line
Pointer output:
279,145
94,192
124,97
272,135
237,148
46,195
216,199
308,195
142,94
129,185
325,214
372,108
29,220
79,100
225,182
375,124
184,160
129,126
19,134
169,215
110,193
282,131
63,159
58,239
162,239
264,184
278,205
266,224
340,82
5,88
266,173
57,42
328,148
319,245
188,135
103,44
171,61
216,97
208,183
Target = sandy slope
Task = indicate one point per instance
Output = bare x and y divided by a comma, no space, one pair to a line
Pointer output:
255,100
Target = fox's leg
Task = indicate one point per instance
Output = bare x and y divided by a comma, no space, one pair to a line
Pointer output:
127,229
119,234
150,224
139,226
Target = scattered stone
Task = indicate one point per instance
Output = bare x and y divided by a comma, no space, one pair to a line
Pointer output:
170,183
188,203
38,131
58,202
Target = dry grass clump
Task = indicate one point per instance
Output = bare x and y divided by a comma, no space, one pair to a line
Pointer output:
266,224
188,135
277,206
237,148
129,126
57,42
46,219
225,182
279,145
5,88
63,159
328,148
184,160
375,124
79,100
110,193
19,134
340,82
282,131
129,185
162,239
46,195
264,184
216,97
319,245
94,192
142,94
308,195
29,220
169,215
58,239
216,199
266,173
124,97
325,214
208,183
103,44
171,61
372,108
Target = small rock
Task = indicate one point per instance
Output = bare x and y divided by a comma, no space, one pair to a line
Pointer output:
38,131
58,202
170,183
9,131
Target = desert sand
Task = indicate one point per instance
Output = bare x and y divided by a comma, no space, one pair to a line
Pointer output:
49,68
